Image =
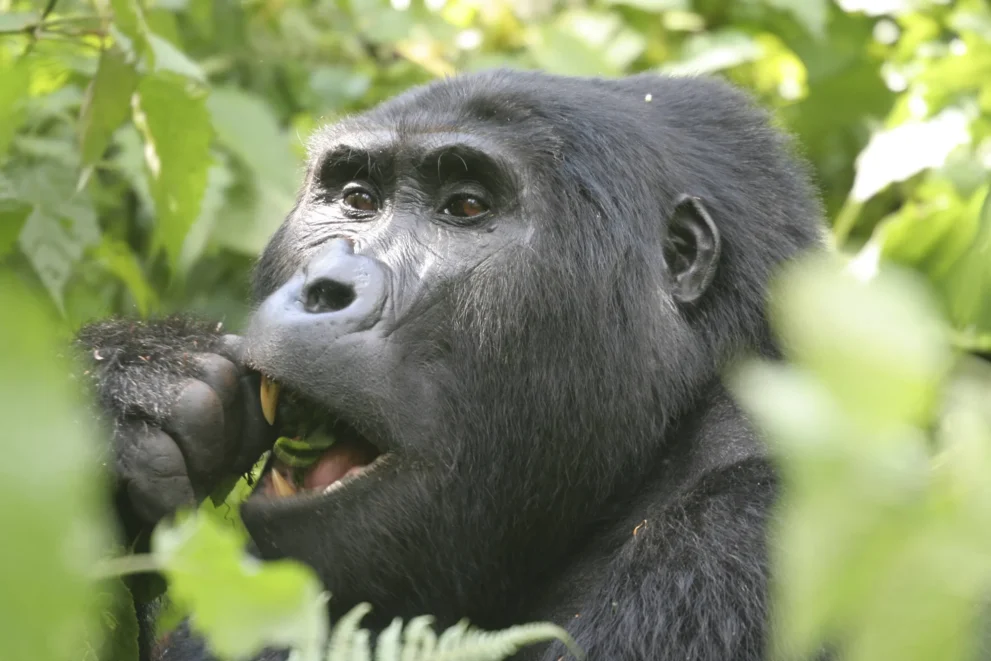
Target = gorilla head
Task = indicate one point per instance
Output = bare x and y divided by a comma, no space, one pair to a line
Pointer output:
506,295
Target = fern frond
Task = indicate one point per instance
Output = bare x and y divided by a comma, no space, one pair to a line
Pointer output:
417,641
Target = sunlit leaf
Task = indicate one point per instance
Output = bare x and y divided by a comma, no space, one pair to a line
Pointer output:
714,51
654,6
879,345
905,150
242,604
558,51
13,21
948,240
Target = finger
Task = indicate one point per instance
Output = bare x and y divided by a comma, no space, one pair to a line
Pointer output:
151,465
220,374
196,422
232,347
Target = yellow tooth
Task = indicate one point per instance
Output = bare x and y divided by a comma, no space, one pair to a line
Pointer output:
269,398
282,486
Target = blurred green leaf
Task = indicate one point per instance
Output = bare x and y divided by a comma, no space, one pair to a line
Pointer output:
129,19
14,81
559,51
51,501
879,345
812,14
9,22
243,604
170,58
714,51
653,6
13,213
172,116
118,259
107,104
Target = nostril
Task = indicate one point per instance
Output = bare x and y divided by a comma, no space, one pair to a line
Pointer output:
327,296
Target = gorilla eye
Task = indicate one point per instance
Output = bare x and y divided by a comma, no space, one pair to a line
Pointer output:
465,206
359,199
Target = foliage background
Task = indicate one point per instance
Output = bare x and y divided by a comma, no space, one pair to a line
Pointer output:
148,148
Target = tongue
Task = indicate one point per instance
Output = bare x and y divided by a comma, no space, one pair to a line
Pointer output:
340,460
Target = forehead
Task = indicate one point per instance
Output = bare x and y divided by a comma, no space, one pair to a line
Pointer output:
455,114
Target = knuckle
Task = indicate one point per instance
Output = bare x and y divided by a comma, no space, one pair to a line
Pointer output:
220,374
197,423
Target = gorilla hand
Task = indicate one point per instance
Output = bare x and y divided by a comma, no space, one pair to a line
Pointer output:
185,413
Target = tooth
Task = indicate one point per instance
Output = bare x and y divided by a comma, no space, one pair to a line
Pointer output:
269,398
282,487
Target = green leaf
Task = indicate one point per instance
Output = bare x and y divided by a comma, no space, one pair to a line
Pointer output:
949,241
13,21
61,225
170,58
879,346
240,603
107,104
118,629
129,19
14,81
13,214
812,14
247,127
219,179
171,114
714,51
558,51
117,258
51,502
654,6
898,153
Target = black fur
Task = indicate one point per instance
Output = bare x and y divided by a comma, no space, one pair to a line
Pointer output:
562,447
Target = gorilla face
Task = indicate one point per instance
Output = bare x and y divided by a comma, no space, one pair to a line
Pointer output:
497,292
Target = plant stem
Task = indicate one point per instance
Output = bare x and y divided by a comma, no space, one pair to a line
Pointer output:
127,564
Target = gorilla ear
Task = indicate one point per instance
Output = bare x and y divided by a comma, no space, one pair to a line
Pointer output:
691,249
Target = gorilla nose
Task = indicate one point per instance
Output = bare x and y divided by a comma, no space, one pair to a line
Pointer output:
336,294
350,287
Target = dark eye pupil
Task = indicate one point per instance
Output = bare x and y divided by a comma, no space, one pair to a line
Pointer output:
467,207
360,200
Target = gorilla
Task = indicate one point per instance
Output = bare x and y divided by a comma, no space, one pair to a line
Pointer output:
509,296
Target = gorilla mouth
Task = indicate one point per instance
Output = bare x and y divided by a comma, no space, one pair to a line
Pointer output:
341,456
